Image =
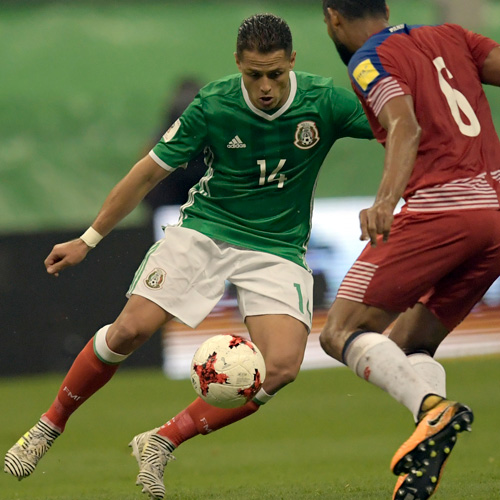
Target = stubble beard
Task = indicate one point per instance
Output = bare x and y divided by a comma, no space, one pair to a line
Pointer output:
344,53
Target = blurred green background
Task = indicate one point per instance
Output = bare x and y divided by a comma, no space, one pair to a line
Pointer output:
84,86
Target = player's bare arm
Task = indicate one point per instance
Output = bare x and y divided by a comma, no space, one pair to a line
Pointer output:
403,137
122,199
490,73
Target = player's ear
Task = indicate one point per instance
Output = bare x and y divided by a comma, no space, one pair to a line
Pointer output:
237,60
292,59
334,17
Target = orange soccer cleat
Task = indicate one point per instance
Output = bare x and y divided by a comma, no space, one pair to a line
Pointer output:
421,459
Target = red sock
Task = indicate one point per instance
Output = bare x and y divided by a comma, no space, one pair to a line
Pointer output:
85,377
201,418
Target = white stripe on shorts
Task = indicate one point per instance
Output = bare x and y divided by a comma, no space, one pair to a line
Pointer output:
356,281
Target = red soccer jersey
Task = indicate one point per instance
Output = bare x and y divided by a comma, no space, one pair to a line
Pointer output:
458,161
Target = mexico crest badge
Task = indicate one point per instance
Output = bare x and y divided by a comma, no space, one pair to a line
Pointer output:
155,278
306,135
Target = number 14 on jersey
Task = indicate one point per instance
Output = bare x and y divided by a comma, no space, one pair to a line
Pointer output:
274,176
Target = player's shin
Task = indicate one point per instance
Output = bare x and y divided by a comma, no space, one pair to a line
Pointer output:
91,370
201,418
429,370
379,360
153,449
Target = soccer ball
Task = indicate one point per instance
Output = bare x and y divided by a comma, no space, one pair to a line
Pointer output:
227,371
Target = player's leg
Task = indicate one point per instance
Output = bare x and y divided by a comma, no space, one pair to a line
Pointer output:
154,449
352,335
393,276
418,332
276,311
282,340
389,278
380,361
91,370
103,354
161,280
276,299
421,329
463,288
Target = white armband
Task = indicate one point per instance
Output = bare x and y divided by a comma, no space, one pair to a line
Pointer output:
91,237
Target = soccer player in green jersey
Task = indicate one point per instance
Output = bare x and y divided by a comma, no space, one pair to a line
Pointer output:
265,132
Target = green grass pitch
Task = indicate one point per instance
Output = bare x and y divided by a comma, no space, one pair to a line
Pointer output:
329,435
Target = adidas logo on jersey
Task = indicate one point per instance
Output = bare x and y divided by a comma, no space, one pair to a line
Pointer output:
236,143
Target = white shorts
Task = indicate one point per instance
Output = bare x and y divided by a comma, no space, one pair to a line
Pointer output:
185,274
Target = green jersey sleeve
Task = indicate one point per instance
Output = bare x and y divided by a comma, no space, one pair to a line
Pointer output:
349,115
185,139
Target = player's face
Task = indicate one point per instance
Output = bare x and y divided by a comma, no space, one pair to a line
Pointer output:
266,77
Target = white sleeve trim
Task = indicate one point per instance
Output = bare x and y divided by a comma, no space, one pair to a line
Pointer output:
384,91
160,162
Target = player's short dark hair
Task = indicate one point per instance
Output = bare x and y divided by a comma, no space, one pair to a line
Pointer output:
356,9
264,33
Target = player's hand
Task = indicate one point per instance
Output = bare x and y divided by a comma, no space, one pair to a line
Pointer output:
376,220
66,255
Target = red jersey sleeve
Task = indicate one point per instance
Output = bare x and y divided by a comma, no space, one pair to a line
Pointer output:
479,46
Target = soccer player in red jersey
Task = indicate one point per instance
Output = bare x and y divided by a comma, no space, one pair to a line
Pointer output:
421,88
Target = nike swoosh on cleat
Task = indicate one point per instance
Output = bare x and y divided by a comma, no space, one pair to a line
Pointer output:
438,418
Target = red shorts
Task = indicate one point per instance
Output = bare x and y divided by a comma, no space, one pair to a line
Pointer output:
446,260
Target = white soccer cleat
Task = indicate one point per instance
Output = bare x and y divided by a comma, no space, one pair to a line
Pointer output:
22,459
138,442
152,453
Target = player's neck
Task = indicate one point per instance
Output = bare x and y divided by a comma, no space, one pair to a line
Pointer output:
366,28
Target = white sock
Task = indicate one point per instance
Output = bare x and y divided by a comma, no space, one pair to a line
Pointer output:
379,360
103,352
262,397
429,370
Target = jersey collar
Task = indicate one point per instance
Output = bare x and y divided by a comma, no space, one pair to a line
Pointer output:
279,112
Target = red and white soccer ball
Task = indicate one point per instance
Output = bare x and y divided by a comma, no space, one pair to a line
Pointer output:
227,371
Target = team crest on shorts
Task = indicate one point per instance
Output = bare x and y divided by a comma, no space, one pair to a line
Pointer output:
155,278
306,135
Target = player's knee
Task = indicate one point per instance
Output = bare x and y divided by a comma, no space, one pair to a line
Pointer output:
280,374
127,334
325,339
344,318
327,342
330,338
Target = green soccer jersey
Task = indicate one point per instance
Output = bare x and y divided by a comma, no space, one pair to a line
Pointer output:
262,168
